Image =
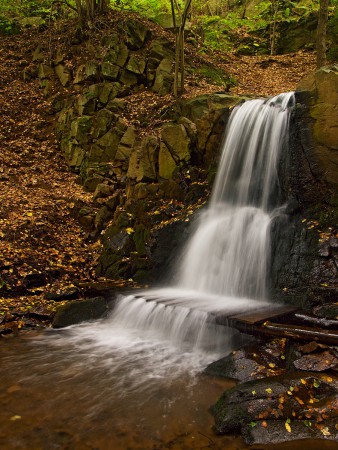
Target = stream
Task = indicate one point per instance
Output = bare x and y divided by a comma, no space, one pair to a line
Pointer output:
105,387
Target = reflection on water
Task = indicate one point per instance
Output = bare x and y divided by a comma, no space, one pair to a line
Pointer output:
107,386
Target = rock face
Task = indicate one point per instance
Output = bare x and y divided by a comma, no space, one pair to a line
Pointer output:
323,109
304,240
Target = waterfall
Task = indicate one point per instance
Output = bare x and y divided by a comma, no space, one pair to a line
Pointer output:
229,252
163,333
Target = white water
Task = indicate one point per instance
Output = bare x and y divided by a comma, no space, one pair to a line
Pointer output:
229,253
160,336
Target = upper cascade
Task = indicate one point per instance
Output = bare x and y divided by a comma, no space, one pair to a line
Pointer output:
229,252
254,137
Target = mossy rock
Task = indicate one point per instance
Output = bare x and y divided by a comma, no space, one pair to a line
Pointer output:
79,311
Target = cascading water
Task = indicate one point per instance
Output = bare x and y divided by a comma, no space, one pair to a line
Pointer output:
229,252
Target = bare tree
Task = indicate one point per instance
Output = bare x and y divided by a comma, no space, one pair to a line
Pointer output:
321,33
273,25
179,47
87,9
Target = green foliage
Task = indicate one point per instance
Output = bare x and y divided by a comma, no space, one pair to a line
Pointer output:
216,76
15,11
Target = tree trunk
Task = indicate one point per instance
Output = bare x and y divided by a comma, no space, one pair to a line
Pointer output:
274,12
321,33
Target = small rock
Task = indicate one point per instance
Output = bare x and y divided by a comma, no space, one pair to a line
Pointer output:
317,362
68,293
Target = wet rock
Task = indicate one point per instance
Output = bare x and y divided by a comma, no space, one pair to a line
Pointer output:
250,364
81,311
328,311
35,279
269,432
68,293
311,347
41,314
287,398
235,366
317,362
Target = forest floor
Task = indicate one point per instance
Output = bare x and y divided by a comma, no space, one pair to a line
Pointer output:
42,246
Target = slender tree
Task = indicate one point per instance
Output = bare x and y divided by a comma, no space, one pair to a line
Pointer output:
87,9
273,25
321,32
179,47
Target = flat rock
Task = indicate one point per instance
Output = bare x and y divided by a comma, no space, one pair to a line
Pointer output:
317,362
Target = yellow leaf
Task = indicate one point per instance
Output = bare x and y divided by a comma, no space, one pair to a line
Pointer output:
303,381
130,230
29,214
272,365
287,427
299,401
15,418
268,390
325,431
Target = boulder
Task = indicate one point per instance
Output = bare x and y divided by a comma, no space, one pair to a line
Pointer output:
87,72
286,399
105,148
136,64
126,145
163,77
166,163
108,91
110,71
143,160
63,74
177,141
82,311
137,33
322,87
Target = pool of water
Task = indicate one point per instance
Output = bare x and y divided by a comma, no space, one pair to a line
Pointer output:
107,386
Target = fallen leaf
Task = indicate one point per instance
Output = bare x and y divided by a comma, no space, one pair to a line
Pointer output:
15,418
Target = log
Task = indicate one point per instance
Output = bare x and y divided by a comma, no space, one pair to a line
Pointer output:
295,332
317,321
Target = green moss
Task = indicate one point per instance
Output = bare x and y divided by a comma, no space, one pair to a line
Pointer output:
217,76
